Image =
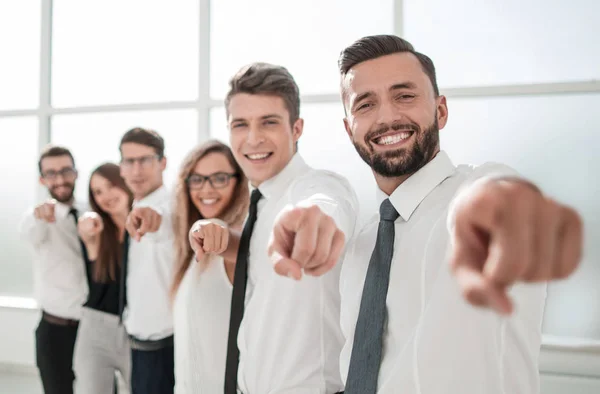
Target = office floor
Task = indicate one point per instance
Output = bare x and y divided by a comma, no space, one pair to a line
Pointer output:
19,383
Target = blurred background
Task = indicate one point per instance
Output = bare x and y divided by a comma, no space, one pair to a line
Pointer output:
521,77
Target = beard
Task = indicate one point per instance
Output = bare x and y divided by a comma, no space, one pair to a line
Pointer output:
63,197
403,161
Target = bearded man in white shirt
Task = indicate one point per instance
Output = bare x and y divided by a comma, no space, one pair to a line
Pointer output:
59,270
408,328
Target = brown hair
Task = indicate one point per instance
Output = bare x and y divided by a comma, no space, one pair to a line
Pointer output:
186,214
266,79
372,47
145,137
54,151
110,254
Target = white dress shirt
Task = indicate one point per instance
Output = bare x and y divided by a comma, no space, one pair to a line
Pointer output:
434,342
201,317
148,315
60,282
290,336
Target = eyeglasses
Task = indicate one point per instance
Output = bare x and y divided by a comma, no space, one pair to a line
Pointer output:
218,180
66,173
145,161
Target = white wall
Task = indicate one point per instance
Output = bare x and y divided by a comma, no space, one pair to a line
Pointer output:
17,330
572,367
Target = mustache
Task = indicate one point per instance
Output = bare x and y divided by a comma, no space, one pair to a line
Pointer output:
381,129
69,185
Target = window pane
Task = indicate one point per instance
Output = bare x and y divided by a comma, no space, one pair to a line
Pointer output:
112,52
324,144
20,54
506,42
18,170
304,36
559,153
94,138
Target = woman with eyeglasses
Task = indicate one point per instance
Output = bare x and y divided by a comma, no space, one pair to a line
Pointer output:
212,187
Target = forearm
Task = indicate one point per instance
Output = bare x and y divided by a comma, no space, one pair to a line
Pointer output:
92,249
32,230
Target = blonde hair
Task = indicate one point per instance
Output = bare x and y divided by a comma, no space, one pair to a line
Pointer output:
186,214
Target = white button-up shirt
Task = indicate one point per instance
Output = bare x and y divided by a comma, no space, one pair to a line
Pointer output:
60,283
148,315
290,337
434,342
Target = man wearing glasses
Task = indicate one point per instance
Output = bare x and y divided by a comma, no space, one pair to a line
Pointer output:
59,271
147,317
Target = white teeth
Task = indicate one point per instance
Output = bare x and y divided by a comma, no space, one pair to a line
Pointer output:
393,139
208,201
258,156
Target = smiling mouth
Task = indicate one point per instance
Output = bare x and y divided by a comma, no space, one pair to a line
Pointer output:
257,157
393,139
209,201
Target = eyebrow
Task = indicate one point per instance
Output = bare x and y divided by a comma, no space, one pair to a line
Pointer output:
268,116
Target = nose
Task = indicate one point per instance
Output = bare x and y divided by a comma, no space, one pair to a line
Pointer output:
388,113
206,184
255,136
136,167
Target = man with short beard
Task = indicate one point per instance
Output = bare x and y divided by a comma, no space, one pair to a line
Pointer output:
407,326
59,269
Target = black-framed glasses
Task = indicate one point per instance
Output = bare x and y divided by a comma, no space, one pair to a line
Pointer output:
145,161
218,180
66,173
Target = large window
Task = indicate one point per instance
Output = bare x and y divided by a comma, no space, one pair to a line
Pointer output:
115,52
19,174
20,54
476,43
520,76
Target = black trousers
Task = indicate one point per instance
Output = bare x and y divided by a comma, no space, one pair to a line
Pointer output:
153,371
54,345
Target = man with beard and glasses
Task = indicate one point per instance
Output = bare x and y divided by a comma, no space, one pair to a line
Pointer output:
59,271
407,326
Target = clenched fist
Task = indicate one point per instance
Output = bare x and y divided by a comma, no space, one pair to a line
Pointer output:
305,239
90,226
141,221
506,231
208,236
45,211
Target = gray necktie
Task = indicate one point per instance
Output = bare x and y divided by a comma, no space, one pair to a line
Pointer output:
368,337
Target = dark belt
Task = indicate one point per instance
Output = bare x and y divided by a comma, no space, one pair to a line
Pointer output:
59,321
146,345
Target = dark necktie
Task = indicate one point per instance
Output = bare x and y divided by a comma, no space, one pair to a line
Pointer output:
123,277
73,212
368,337
237,298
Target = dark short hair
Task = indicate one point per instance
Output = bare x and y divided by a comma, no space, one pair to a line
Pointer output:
373,47
54,151
145,137
266,79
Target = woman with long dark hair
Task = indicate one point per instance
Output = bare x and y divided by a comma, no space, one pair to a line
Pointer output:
102,346
210,186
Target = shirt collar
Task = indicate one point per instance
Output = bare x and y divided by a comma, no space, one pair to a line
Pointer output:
156,197
276,185
61,210
407,197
